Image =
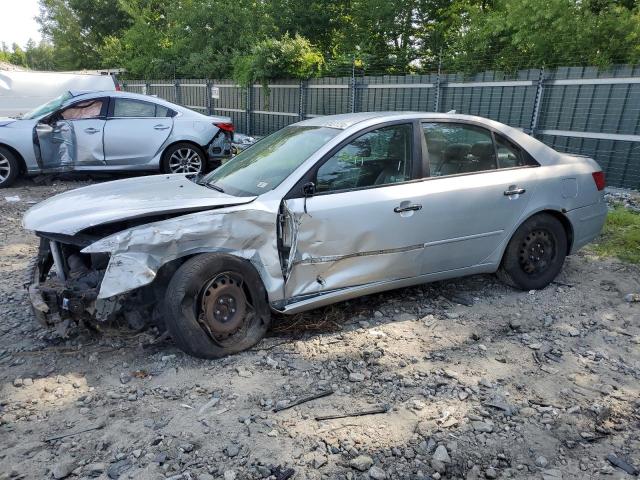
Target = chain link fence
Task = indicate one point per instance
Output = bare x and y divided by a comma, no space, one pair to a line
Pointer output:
580,110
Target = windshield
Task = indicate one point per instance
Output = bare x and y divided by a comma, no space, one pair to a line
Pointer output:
263,166
48,107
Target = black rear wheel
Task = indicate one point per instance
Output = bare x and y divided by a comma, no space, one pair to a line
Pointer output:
216,306
535,254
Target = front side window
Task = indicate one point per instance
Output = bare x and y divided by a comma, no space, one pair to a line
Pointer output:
84,110
264,165
379,157
456,148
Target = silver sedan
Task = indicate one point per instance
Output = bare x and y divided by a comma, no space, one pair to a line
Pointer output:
322,211
113,131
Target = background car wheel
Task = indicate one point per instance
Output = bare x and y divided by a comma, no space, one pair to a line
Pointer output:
183,158
216,305
9,167
535,253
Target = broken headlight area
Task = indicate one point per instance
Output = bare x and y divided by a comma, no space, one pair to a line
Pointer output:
63,286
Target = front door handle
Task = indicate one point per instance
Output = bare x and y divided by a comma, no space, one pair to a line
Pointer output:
514,191
91,130
408,208
161,127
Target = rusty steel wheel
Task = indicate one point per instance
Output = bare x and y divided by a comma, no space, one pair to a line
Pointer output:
224,307
216,305
535,254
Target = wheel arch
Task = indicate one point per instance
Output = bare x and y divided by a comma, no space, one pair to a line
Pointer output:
18,155
169,268
190,142
558,214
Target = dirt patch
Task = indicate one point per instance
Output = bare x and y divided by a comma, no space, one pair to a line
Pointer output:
476,380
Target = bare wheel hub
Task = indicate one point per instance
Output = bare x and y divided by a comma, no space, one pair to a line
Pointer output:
223,305
537,251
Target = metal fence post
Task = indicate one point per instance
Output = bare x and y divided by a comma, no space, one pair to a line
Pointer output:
535,114
352,99
209,98
248,110
178,93
436,106
436,103
302,99
146,88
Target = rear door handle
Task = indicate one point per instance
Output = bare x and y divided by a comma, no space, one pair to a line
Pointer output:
161,127
514,191
408,208
91,130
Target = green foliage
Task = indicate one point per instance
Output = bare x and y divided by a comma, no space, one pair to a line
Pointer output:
78,29
621,236
256,39
528,33
286,57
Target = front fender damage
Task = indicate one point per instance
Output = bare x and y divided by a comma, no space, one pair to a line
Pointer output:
137,254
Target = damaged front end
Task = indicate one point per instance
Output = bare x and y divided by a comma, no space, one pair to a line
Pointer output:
63,285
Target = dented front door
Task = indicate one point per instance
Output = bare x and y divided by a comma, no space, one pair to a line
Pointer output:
362,223
355,238
56,144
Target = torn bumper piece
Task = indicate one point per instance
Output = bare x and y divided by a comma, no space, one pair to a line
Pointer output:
63,285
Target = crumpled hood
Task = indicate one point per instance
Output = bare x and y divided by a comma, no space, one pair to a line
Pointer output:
76,210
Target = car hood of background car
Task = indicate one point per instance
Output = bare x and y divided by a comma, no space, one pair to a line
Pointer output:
76,210
4,121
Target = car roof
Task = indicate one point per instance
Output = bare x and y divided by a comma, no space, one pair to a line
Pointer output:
363,120
79,95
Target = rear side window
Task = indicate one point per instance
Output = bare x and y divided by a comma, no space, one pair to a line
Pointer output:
509,154
456,148
126,107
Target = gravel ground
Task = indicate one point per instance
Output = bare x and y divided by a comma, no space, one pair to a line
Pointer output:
474,379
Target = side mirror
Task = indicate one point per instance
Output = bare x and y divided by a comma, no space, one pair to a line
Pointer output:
44,128
309,189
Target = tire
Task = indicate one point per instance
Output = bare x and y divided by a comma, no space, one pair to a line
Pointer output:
192,298
535,254
9,167
183,158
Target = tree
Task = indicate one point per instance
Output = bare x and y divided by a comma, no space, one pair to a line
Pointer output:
79,29
286,57
529,33
18,56
40,56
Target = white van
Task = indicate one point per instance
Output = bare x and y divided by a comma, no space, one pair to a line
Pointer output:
22,91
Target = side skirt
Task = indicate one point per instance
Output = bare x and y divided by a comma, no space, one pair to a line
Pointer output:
302,304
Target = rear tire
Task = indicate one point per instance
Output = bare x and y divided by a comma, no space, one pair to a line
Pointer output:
216,305
9,167
183,158
535,253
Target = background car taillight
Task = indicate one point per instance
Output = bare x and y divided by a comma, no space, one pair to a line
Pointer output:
225,127
598,177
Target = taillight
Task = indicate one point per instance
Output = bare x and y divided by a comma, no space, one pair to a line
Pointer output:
225,127
598,177
118,87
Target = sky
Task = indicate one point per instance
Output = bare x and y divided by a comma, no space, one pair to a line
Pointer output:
17,23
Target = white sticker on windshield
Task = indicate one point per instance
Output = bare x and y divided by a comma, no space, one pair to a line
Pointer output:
262,184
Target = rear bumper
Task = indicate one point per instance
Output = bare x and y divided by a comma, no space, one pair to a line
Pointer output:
587,223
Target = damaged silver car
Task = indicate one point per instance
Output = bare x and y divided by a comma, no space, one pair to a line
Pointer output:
111,131
321,211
